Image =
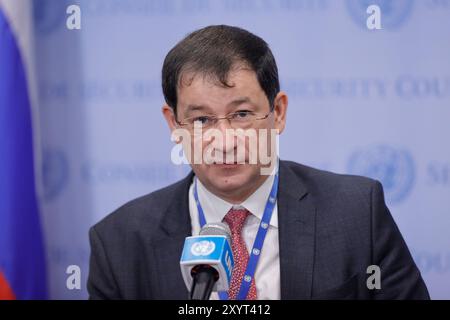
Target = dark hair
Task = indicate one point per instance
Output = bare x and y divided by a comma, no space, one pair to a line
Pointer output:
213,51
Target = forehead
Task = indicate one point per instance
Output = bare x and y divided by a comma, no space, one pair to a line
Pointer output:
199,89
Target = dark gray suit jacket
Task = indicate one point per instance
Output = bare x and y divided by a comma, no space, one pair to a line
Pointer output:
331,228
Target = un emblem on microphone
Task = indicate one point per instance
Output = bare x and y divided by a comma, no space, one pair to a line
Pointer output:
393,167
203,248
393,13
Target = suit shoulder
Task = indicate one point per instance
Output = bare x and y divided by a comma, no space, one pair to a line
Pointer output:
147,209
343,203
330,183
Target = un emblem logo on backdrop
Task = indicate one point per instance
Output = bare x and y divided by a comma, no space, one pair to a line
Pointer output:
393,167
394,13
55,172
49,15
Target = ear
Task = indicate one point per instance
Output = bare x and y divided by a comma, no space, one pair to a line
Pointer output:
170,117
280,109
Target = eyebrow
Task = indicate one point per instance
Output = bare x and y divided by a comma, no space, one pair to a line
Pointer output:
240,101
193,107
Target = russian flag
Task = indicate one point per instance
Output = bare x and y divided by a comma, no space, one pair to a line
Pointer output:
22,259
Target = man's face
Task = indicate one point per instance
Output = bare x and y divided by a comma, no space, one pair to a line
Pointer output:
200,96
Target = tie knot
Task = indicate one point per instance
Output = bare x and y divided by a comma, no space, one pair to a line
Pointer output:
236,219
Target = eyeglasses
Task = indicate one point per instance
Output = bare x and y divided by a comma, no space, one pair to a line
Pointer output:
240,119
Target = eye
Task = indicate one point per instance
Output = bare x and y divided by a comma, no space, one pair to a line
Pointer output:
242,114
202,120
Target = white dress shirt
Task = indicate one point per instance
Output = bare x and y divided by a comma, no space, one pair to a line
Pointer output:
267,274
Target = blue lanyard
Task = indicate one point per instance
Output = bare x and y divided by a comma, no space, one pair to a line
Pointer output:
259,240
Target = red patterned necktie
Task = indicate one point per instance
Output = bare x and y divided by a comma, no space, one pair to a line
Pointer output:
235,218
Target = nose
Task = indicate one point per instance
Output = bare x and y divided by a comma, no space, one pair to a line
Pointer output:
228,145
223,124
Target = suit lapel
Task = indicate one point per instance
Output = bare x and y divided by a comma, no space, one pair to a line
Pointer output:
168,243
296,216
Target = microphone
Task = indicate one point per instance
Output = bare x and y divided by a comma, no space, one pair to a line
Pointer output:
207,261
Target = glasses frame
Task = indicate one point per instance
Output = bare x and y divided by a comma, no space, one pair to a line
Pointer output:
217,119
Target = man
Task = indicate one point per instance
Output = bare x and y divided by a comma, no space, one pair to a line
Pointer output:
323,232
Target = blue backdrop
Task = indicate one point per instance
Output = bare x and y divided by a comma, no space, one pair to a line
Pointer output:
376,102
